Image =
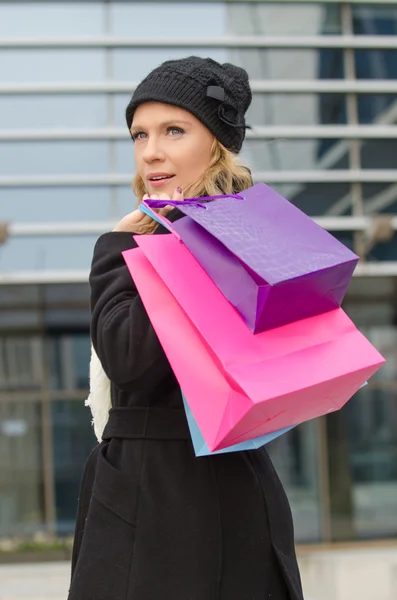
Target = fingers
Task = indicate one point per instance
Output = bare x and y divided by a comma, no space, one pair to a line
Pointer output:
178,194
166,209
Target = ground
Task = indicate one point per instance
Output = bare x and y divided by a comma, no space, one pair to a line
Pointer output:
43,581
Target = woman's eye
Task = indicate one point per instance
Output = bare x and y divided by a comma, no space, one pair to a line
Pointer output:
138,135
175,131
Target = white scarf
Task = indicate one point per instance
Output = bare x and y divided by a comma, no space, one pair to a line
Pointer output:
99,399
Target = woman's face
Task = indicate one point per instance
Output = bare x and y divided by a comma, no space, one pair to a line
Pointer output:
172,148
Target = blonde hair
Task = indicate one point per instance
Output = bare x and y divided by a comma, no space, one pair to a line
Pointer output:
225,175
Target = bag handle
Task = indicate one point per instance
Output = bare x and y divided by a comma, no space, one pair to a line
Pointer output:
198,202
147,206
158,218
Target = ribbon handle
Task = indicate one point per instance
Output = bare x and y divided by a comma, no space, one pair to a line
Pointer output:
147,206
159,218
198,202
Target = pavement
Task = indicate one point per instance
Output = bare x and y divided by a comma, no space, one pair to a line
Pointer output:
39,581
42,581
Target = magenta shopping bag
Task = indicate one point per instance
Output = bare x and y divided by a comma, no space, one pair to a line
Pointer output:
272,262
238,385
201,448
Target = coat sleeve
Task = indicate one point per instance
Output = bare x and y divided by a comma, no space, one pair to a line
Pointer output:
121,332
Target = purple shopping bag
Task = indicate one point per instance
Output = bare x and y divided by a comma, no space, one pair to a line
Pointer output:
272,262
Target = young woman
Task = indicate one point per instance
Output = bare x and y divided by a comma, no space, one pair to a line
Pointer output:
155,522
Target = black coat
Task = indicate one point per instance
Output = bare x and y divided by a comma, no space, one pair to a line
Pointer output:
155,522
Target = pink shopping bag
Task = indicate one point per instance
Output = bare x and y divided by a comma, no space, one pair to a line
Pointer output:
240,385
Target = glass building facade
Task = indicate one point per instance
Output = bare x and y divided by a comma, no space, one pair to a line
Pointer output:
324,134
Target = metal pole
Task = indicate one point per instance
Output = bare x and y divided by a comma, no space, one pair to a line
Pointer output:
110,105
271,132
47,439
352,119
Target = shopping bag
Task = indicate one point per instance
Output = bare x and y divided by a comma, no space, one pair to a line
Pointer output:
201,448
240,385
262,252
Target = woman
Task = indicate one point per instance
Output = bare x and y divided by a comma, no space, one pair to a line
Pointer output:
155,522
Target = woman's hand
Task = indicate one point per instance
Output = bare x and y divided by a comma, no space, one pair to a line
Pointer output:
139,222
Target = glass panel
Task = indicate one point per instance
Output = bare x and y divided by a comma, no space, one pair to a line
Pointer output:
55,157
71,294
346,237
21,470
286,18
56,204
364,487
67,313
73,438
220,18
120,103
26,295
289,64
17,319
295,457
48,253
51,19
133,64
386,250
297,109
126,200
377,108
49,65
165,19
76,320
69,357
315,199
367,312
56,111
385,338
374,19
281,155
21,362
124,151
380,198
363,289
379,154
376,64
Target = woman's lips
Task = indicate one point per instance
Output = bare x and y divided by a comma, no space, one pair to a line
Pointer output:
160,182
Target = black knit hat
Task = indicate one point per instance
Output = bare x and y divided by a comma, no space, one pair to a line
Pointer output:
218,95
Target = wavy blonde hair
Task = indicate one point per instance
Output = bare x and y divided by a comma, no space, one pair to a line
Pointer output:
225,175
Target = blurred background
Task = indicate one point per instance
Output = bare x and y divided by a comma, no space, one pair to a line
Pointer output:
324,134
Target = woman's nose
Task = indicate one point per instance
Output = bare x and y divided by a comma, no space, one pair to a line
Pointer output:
153,150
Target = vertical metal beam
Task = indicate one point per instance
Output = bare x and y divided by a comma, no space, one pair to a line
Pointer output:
356,187
110,108
46,425
323,478
48,464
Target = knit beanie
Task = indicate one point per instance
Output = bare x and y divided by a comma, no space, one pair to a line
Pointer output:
216,94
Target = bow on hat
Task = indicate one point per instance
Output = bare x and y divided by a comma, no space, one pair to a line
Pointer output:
226,111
